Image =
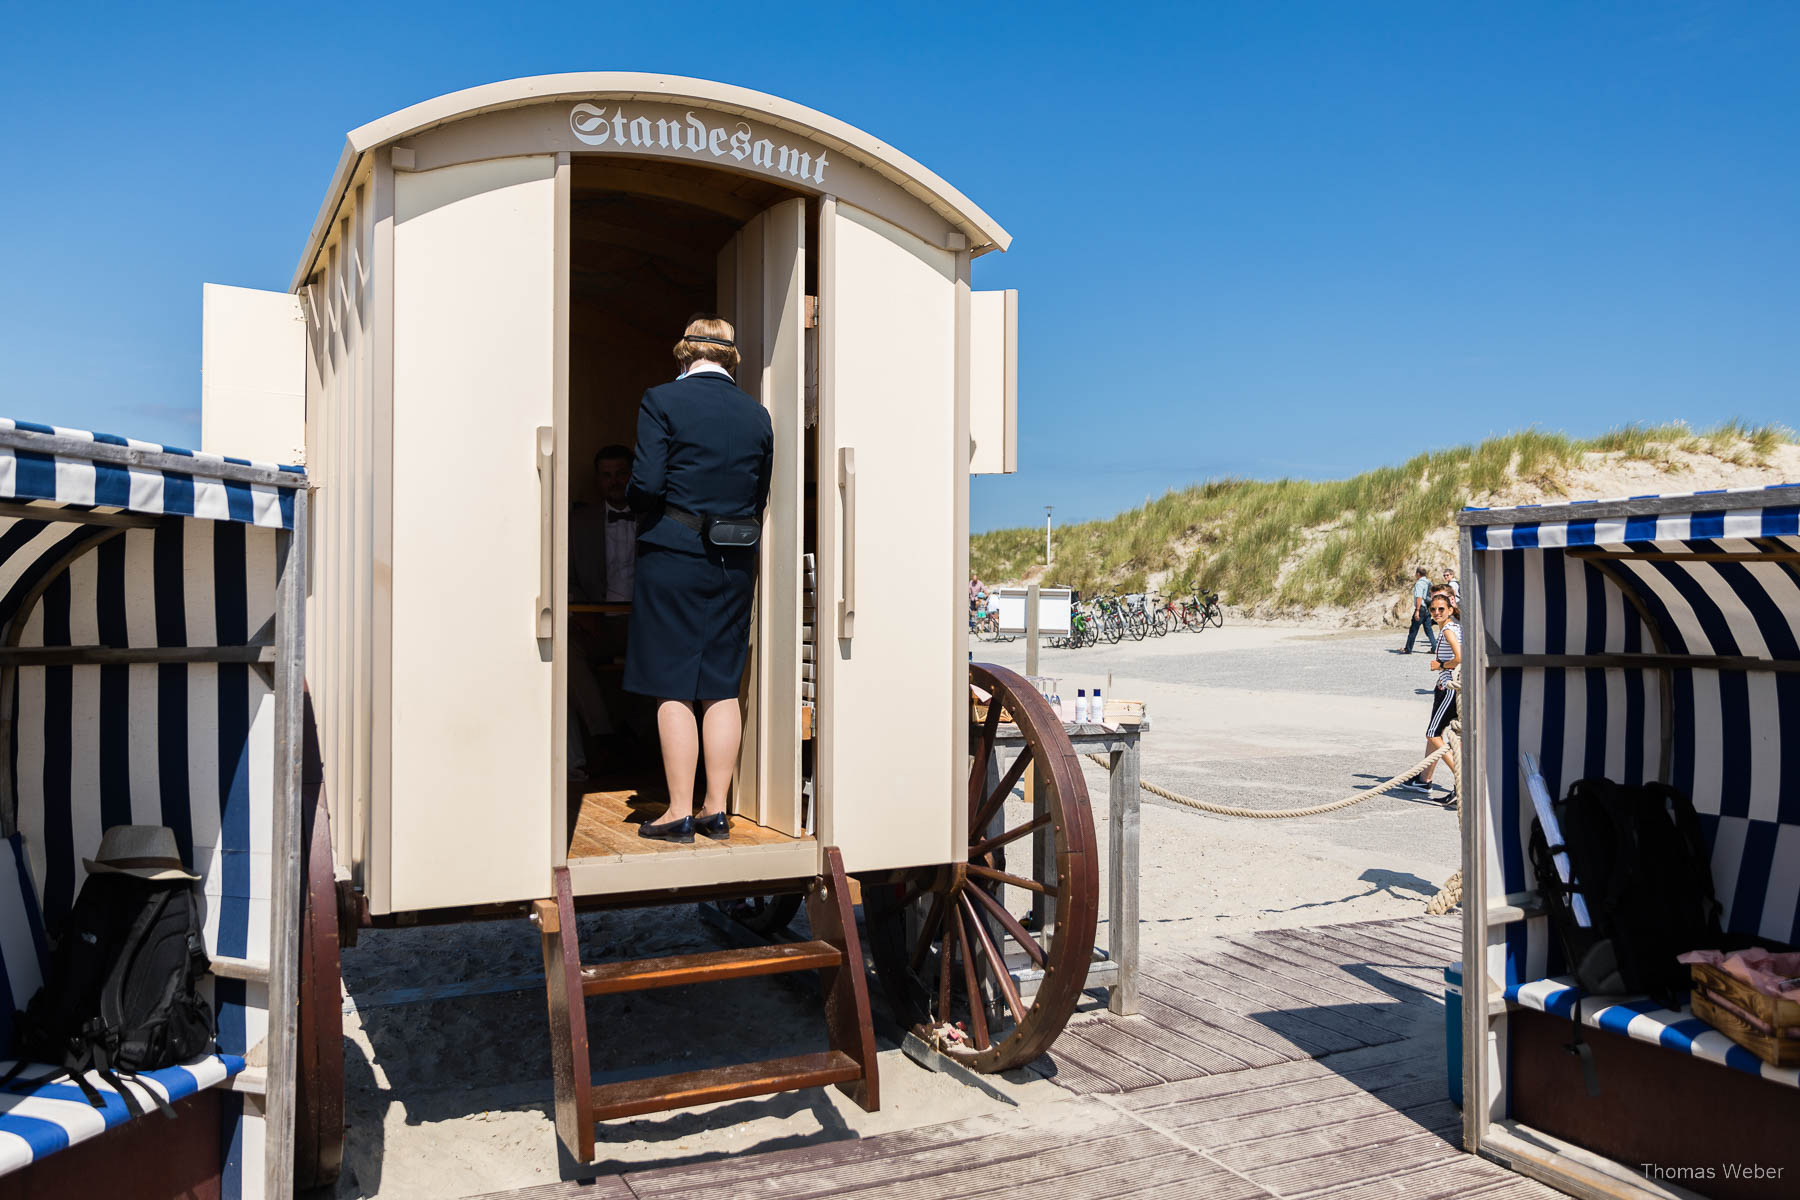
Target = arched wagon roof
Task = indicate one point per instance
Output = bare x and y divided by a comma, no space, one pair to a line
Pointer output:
982,231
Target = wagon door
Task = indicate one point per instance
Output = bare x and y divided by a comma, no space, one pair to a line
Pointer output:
477,567
893,505
762,291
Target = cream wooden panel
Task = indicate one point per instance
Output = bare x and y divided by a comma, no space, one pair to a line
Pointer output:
740,302
890,761
474,334
782,389
344,473
761,286
994,382
252,374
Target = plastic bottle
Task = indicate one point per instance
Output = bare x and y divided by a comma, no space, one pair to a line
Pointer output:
1081,706
1097,708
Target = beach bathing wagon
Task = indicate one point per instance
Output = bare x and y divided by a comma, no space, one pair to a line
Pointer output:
152,602
494,278
1650,639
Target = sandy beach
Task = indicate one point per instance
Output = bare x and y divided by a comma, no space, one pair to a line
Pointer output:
447,1053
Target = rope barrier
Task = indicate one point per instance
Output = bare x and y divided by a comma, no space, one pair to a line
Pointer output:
1447,898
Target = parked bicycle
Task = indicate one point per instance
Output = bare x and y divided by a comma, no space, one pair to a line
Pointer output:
1136,612
1081,633
1199,611
1110,617
1165,617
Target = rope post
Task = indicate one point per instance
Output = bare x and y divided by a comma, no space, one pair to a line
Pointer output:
1031,631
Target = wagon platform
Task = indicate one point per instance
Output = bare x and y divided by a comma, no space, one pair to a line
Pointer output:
1290,1063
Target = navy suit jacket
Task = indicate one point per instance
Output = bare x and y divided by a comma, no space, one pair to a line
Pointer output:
703,445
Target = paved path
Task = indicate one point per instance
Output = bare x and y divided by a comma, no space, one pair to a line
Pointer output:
1302,1063
1270,717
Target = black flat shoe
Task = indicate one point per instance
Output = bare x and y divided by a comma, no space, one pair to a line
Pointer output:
681,830
717,827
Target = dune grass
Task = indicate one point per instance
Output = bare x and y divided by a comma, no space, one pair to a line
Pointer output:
1300,543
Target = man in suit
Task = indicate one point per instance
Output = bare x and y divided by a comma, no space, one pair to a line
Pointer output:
602,569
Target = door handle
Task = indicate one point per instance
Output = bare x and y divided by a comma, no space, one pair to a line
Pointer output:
847,485
546,465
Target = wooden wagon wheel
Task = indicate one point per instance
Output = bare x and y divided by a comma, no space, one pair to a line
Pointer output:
319,1084
945,945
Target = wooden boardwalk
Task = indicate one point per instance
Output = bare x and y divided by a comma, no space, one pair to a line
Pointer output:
1287,1064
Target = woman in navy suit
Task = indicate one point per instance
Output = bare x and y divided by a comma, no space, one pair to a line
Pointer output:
703,453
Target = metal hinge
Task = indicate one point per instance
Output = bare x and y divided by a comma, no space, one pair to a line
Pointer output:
812,312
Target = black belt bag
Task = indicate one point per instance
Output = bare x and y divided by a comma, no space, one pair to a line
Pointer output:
730,533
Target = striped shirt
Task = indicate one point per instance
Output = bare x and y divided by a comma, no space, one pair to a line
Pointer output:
1444,652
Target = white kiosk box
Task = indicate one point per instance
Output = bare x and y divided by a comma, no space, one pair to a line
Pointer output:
494,278
1055,610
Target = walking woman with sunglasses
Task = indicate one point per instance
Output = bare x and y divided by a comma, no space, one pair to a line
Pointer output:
1446,658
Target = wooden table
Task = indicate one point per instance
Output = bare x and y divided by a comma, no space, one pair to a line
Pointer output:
1116,967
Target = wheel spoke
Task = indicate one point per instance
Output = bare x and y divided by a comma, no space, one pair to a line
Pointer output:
977,1002
1011,925
1008,781
933,919
997,965
1030,885
1011,835
984,752
945,961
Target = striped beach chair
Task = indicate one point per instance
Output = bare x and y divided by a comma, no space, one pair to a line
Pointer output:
1644,638
43,1111
151,679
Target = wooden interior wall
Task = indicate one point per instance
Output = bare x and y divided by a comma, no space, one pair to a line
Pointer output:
644,242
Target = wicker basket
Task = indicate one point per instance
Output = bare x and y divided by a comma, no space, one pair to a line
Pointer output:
1712,983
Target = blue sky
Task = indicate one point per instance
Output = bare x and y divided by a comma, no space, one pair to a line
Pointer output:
1250,239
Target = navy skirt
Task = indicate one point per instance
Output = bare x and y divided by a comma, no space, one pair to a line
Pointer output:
690,623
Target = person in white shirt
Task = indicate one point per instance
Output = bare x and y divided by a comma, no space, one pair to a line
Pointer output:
603,536
602,570
1455,587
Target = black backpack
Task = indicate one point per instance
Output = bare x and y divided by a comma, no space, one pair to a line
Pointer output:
1641,865
122,992
1639,861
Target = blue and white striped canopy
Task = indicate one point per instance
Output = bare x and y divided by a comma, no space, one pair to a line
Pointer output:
51,464
47,468
1712,574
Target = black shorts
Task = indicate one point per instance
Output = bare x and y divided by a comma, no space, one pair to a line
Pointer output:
1443,711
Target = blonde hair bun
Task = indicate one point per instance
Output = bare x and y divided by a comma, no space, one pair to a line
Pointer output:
708,337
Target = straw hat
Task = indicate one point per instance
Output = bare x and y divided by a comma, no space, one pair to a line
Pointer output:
146,851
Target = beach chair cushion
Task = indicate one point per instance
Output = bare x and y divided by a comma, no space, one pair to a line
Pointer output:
43,1111
1647,1020
39,1116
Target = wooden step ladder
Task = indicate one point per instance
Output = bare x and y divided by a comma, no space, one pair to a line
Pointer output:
835,952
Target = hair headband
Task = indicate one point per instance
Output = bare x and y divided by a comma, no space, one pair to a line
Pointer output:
711,341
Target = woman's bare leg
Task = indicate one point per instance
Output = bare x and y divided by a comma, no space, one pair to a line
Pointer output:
1432,745
680,738
721,729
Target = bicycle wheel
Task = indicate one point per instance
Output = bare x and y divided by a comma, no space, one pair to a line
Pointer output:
1193,618
1114,628
1215,614
1136,625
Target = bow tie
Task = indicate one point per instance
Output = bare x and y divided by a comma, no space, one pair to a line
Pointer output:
615,515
